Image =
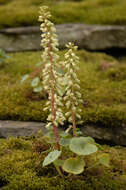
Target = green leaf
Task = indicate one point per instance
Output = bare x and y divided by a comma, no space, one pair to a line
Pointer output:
74,165
88,139
65,134
64,141
83,145
104,159
35,82
37,89
59,162
50,136
24,78
51,157
99,146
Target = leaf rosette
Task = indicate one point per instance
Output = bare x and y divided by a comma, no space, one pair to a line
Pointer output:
83,145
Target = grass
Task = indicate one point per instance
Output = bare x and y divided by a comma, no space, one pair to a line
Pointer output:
103,81
25,13
21,168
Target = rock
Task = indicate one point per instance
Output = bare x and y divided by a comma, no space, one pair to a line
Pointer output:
19,128
20,39
116,135
90,37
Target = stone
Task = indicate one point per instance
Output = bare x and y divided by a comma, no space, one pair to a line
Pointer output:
92,37
89,37
20,128
20,39
115,135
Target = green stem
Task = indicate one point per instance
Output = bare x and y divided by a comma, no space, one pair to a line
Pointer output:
59,170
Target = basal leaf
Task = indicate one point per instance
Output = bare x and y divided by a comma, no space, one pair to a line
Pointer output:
59,162
51,157
74,165
24,78
37,89
83,145
64,141
35,82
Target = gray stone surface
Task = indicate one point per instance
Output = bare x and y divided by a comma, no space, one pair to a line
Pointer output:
19,128
115,135
90,37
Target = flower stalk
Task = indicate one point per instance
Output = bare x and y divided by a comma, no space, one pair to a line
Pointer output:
50,58
73,96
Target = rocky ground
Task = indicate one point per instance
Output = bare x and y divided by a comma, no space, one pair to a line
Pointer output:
90,37
103,80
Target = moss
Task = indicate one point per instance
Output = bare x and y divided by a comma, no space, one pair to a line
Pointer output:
17,143
29,181
104,97
4,1
22,169
118,73
91,12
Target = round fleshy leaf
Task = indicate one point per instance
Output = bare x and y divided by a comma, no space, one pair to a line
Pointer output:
88,139
37,89
64,141
24,78
74,165
51,137
51,157
35,82
82,145
59,162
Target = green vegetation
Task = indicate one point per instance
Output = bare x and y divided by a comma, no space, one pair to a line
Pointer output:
3,57
103,93
55,85
21,168
23,13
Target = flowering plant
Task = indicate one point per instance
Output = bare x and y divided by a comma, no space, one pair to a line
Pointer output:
79,146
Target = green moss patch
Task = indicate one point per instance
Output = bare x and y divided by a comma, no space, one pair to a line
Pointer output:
23,13
103,89
21,168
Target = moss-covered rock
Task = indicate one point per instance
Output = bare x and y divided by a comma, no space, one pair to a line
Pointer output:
103,97
21,168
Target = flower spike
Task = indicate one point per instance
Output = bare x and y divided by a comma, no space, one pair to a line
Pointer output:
50,58
73,95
